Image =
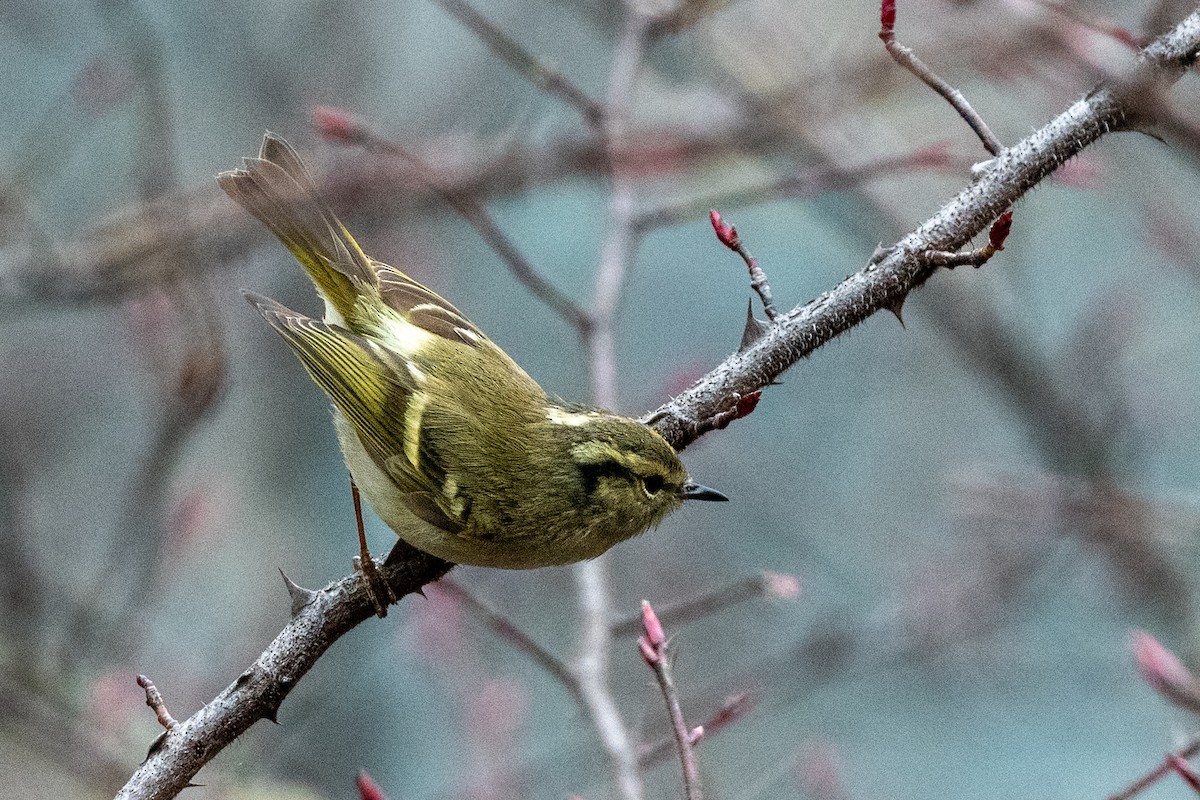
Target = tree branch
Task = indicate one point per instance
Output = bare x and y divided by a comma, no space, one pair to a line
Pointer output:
178,754
884,284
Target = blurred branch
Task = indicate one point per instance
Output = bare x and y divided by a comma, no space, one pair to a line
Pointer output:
1152,777
709,603
526,64
515,636
616,254
122,255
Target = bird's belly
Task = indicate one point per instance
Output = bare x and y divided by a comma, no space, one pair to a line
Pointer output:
484,549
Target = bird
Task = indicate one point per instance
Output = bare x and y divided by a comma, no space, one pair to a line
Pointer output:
455,447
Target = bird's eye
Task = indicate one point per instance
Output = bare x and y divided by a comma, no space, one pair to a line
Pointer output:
653,484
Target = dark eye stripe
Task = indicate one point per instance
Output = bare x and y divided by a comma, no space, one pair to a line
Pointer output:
590,474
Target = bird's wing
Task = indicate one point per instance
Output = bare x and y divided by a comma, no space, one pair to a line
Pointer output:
424,307
380,396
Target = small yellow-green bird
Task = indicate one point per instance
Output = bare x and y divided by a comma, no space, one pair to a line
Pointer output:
456,448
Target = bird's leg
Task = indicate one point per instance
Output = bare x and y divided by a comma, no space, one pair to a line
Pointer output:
380,592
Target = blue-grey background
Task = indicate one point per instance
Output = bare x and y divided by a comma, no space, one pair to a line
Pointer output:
970,565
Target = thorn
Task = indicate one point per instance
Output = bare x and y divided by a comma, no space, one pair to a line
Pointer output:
300,596
754,330
897,308
156,745
881,253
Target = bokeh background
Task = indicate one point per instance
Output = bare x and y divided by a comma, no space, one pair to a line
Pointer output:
977,508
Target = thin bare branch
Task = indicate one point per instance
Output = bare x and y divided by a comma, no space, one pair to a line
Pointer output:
1152,777
653,645
520,640
525,63
710,603
906,58
258,692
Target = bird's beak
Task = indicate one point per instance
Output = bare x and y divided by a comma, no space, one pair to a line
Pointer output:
694,491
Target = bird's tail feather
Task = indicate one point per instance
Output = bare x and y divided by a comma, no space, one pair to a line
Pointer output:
277,189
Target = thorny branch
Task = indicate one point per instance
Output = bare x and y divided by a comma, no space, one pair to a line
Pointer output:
258,692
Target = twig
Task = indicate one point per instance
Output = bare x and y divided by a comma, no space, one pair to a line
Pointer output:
734,708
525,63
709,603
258,692
155,701
728,236
653,646
1158,773
515,636
978,257
908,59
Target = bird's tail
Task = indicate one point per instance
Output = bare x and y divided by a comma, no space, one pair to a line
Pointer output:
276,188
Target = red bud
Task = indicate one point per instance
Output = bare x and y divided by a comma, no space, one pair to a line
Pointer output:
654,629
727,234
338,125
747,404
887,14
1000,229
367,788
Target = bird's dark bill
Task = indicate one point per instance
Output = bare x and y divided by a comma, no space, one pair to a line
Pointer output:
694,491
